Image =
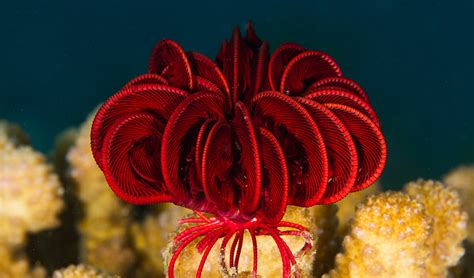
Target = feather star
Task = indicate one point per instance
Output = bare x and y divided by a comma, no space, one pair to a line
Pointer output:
240,139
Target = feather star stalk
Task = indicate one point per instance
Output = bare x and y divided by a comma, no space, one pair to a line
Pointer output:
237,140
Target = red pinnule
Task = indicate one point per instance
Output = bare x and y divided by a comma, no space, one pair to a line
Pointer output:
239,139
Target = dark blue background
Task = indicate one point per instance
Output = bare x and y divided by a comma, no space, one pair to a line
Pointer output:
414,58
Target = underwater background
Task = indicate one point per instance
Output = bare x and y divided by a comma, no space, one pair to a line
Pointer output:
61,59
415,59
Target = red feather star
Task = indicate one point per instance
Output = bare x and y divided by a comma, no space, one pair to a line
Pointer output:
240,138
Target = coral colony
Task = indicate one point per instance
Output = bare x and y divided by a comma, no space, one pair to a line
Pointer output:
237,140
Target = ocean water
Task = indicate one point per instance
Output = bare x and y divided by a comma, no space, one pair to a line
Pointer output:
415,59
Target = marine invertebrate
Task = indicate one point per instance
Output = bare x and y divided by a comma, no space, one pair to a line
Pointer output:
268,254
81,271
448,227
240,139
104,226
461,179
388,239
30,193
98,202
107,245
347,206
151,236
328,244
63,143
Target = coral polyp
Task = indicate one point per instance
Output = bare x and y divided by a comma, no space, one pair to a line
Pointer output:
239,139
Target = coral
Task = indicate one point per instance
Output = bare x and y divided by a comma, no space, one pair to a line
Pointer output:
106,244
387,239
269,260
449,224
13,265
239,139
461,179
81,271
106,219
151,236
92,189
30,193
346,207
63,143
345,214
327,246
58,247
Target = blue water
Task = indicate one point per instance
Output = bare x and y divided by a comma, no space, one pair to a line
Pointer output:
415,59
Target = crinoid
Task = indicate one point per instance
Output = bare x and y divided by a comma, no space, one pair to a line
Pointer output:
239,139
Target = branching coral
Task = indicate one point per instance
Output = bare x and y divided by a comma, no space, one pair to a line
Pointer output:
387,239
412,234
347,206
449,224
327,246
59,247
461,179
105,224
81,271
417,233
151,236
106,245
63,143
331,241
92,189
269,260
30,193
